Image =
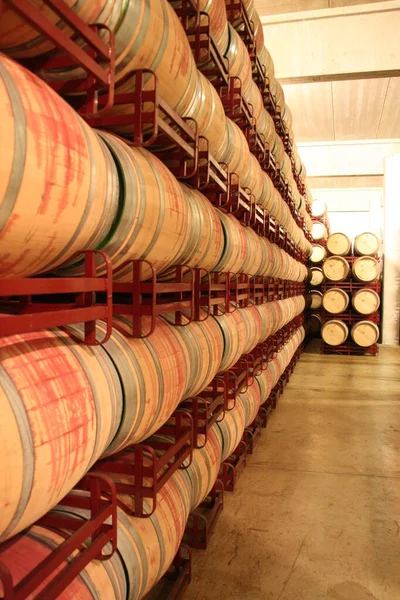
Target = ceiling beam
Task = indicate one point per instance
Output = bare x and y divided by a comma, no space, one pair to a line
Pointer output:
383,73
342,44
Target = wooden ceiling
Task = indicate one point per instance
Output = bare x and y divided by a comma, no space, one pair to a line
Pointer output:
274,7
345,110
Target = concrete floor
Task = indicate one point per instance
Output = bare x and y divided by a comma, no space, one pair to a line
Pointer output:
317,511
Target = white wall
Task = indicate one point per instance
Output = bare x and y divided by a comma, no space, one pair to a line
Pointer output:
391,281
353,210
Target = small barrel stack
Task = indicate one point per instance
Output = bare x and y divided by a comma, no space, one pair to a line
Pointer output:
345,293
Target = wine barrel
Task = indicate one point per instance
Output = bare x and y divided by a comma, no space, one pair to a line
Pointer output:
252,321
254,252
235,250
239,64
218,20
204,342
335,301
318,231
237,153
205,245
234,332
264,382
338,244
366,244
314,324
365,301
258,32
153,223
366,268
365,333
336,268
232,427
154,373
251,400
316,276
254,179
318,207
266,128
106,579
57,176
61,406
334,332
318,253
203,470
254,98
207,110
316,299
268,64
277,93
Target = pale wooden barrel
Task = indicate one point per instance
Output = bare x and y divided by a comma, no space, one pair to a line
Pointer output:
154,218
234,332
104,580
336,268
235,251
216,11
366,301
278,151
236,154
277,93
252,321
267,315
366,268
317,276
20,40
319,231
204,343
258,32
268,63
207,110
366,244
205,244
154,374
239,64
335,301
254,179
315,324
316,299
318,253
318,207
365,333
267,197
254,255
254,98
232,428
203,471
266,127
57,176
265,384
334,332
61,406
251,400
338,244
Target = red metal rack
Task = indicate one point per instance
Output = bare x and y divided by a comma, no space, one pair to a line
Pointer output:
173,584
203,520
349,348
206,409
84,540
251,435
232,468
146,468
349,317
265,412
31,304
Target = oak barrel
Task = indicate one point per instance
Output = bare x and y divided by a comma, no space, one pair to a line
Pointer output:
318,253
366,301
318,208
316,276
319,231
336,268
366,244
316,299
338,244
334,332
365,333
366,268
335,301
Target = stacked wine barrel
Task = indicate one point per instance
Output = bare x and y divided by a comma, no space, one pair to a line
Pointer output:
345,296
68,188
